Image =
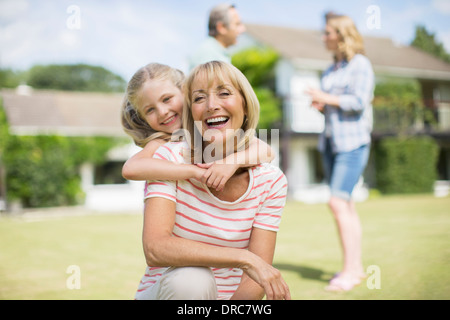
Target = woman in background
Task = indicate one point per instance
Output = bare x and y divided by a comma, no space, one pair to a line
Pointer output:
345,99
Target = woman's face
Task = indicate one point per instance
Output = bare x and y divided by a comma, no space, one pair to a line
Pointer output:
162,105
331,38
216,109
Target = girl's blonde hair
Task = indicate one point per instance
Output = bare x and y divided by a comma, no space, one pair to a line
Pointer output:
132,119
219,71
351,41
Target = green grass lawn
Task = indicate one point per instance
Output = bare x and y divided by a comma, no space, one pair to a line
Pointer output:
406,237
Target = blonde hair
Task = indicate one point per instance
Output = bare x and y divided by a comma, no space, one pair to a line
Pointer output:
351,41
218,71
132,121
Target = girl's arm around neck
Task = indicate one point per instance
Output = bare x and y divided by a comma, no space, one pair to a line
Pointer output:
142,166
257,152
219,172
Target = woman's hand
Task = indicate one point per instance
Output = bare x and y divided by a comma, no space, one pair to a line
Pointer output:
317,95
268,278
318,106
217,174
320,98
259,276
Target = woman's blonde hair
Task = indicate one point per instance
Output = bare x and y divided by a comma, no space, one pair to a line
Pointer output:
351,41
132,119
220,71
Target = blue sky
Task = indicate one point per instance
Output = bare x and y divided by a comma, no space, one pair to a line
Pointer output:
124,35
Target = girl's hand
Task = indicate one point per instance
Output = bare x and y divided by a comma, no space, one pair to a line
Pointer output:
197,172
217,174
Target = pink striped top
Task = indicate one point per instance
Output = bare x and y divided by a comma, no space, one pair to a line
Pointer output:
202,217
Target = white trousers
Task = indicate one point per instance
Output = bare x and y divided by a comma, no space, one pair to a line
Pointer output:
184,283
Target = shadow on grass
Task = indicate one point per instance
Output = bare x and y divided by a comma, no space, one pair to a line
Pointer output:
305,272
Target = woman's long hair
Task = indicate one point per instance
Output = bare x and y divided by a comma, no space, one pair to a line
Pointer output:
350,40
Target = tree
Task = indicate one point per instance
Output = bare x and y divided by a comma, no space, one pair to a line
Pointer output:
427,42
10,78
77,77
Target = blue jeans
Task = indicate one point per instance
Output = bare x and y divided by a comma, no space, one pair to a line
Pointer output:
342,170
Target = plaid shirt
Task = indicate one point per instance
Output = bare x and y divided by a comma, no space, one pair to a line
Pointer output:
348,126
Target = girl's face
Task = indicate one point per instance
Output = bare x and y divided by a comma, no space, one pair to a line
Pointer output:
219,107
331,38
162,105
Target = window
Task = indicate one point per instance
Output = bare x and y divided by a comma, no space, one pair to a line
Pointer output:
109,173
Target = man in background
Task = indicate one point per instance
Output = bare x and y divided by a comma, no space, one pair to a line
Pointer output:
224,28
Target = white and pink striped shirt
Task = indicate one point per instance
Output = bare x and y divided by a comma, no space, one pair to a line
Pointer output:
200,216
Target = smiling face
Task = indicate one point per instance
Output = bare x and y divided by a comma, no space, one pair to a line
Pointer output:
219,106
161,105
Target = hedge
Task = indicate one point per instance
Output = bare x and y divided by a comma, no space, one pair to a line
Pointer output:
406,165
43,171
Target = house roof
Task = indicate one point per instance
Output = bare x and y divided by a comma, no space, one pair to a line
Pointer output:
305,49
31,112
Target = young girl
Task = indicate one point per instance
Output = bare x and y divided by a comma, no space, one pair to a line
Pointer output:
152,111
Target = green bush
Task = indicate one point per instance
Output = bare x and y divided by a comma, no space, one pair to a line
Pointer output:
258,65
43,171
406,165
270,111
398,107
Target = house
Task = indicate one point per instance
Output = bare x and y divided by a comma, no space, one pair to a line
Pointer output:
303,59
33,112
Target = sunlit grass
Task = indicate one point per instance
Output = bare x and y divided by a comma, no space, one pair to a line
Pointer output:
406,237
35,257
